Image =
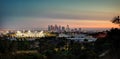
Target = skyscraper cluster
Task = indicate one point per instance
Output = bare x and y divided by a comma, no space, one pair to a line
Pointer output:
59,28
56,28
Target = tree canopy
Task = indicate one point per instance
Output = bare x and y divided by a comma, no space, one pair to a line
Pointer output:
116,20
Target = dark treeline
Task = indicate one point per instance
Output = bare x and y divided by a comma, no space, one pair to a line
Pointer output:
62,48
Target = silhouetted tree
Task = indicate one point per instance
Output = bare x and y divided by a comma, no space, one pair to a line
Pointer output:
116,20
114,39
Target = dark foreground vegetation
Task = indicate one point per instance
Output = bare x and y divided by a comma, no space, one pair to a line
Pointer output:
61,48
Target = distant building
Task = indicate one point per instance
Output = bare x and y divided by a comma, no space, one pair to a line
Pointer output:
82,38
63,35
101,35
59,28
79,29
63,28
67,28
29,34
49,27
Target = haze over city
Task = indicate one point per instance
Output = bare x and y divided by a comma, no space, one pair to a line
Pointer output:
24,14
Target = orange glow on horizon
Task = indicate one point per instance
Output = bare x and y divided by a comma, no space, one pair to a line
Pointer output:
88,23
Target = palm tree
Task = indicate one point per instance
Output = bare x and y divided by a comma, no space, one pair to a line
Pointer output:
116,20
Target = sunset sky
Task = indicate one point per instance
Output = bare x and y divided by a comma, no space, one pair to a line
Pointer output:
29,14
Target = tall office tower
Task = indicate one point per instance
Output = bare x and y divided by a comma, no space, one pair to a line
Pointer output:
79,29
63,28
56,28
67,28
59,28
49,27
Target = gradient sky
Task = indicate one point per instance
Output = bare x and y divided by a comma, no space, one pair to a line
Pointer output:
29,14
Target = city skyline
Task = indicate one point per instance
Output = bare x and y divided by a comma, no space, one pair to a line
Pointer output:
24,14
